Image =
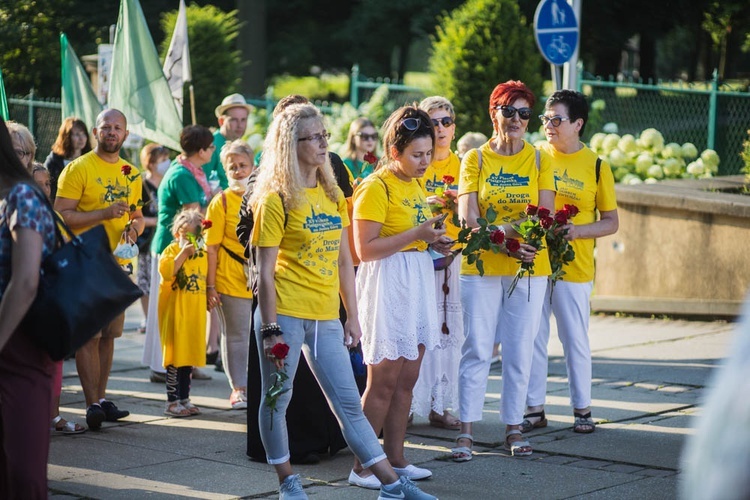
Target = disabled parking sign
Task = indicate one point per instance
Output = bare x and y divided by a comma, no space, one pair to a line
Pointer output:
556,31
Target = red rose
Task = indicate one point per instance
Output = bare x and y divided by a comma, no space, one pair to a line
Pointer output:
571,209
547,222
126,169
280,350
448,180
543,212
497,237
206,224
531,209
370,158
512,245
561,217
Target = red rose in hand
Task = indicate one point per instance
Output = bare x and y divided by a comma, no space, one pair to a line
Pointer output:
448,180
543,212
561,217
126,169
206,224
512,245
280,350
370,158
531,209
547,222
497,237
571,209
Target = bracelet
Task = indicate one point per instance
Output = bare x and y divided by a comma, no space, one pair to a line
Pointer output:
269,330
210,287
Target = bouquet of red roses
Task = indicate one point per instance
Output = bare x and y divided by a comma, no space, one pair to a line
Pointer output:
533,233
560,250
446,199
279,351
486,237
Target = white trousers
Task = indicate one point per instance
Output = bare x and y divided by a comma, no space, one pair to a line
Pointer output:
152,355
487,310
571,307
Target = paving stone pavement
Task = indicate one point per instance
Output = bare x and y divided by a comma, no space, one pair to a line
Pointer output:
649,374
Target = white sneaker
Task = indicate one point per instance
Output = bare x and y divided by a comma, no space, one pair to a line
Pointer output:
413,472
370,482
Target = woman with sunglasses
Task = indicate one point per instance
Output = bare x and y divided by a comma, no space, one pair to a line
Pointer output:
589,185
506,174
437,386
362,139
304,264
393,227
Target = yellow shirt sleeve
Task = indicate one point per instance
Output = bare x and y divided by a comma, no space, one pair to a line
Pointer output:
606,200
371,200
268,229
468,181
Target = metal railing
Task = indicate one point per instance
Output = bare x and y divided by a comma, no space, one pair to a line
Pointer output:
42,116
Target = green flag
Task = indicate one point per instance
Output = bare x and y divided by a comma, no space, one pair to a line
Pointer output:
138,87
78,97
3,100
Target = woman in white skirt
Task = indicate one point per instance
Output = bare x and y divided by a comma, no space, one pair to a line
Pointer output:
437,386
393,227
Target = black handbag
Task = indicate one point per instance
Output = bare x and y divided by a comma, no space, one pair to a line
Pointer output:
81,289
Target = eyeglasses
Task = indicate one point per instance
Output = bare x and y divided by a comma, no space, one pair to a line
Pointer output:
22,154
367,137
446,121
556,120
410,124
509,111
316,137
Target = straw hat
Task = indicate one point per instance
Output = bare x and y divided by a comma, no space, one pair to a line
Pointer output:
233,101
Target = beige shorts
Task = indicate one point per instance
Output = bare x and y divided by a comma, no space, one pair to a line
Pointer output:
114,329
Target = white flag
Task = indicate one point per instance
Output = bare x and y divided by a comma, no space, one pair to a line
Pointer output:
177,63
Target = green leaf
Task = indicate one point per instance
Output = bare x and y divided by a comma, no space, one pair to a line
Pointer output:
491,214
482,222
480,267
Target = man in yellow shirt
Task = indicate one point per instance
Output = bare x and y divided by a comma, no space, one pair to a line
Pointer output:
98,188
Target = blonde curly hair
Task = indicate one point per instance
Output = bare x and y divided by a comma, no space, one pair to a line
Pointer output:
279,167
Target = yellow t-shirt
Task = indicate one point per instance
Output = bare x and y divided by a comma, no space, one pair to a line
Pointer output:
307,273
182,311
398,205
230,274
97,184
575,183
508,184
433,179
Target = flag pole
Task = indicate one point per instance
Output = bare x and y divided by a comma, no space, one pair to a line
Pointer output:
192,102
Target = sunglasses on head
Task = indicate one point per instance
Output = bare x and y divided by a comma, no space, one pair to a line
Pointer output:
367,137
410,124
446,121
509,111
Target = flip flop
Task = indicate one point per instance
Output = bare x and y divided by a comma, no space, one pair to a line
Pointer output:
67,427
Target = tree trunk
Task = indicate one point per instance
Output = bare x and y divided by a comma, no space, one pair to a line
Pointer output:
252,42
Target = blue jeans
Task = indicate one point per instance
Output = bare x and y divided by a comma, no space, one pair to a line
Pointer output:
323,345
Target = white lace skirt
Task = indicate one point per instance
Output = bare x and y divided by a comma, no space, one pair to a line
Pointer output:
397,308
437,385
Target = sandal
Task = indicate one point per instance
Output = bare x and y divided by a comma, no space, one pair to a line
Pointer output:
444,421
583,424
516,448
194,410
462,453
527,425
176,410
62,426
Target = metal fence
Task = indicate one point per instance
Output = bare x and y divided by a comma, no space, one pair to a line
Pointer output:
362,89
43,118
716,117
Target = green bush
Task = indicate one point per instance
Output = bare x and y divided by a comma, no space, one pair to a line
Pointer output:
477,46
326,87
214,59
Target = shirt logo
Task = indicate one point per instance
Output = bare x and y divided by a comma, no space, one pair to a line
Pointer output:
502,179
567,181
320,223
432,184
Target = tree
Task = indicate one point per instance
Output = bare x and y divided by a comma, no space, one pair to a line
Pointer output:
214,60
477,46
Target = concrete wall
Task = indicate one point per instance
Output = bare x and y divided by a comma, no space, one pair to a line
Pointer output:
682,248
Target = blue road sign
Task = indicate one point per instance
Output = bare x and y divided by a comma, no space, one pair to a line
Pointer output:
556,29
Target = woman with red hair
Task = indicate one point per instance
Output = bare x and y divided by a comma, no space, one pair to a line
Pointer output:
505,174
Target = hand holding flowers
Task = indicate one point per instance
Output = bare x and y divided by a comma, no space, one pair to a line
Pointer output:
558,240
445,199
533,234
278,352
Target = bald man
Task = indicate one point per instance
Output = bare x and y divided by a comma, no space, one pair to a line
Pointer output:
93,190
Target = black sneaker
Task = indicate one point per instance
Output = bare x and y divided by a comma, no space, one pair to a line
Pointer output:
112,412
95,416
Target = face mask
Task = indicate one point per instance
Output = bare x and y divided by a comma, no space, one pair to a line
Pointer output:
239,183
163,166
